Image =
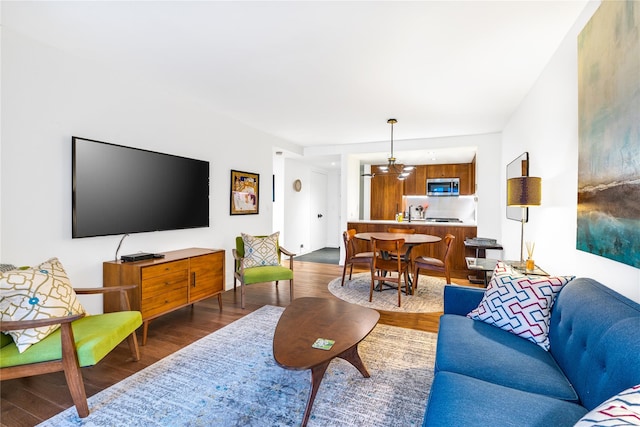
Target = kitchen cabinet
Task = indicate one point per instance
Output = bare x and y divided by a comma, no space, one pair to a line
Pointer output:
465,171
387,190
416,183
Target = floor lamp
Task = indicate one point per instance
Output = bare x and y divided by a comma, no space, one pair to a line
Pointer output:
524,191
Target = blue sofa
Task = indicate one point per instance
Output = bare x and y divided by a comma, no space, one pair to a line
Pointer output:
486,376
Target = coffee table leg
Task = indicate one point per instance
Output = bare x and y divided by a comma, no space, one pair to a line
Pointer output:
351,355
317,373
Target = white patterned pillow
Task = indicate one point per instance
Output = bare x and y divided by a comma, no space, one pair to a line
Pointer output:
520,304
622,409
260,251
31,293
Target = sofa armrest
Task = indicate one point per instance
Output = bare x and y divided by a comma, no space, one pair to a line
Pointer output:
461,299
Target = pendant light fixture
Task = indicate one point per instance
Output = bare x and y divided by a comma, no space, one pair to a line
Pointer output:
391,168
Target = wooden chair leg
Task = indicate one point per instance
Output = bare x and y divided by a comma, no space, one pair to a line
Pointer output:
132,340
220,301
416,276
371,289
350,270
242,294
291,290
406,282
344,272
72,372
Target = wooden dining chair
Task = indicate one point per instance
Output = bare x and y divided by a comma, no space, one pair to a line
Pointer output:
352,256
435,264
403,251
382,266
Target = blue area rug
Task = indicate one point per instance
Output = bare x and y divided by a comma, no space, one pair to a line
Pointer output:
229,378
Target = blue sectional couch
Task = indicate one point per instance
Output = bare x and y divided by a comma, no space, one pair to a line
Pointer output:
486,376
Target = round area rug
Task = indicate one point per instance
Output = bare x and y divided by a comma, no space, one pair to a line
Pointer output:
428,296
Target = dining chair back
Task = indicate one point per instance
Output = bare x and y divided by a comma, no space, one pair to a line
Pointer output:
352,256
382,266
435,264
403,252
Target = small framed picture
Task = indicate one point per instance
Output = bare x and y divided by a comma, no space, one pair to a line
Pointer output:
244,193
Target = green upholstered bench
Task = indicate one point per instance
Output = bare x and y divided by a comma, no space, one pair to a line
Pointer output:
79,342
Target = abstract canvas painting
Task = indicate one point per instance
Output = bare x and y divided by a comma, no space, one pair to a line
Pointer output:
609,133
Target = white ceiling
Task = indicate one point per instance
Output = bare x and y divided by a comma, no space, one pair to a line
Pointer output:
322,73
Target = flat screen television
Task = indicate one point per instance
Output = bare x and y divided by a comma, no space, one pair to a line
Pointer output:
120,190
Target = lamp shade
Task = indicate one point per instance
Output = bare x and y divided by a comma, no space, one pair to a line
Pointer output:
524,191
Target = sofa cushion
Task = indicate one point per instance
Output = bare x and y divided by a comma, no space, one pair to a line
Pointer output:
260,251
458,400
95,336
623,409
520,304
595,339
40,292
482,351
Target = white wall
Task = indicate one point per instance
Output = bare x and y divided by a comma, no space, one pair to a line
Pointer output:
546,125
48,96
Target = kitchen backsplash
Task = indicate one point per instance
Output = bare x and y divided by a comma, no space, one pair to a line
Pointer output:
461,207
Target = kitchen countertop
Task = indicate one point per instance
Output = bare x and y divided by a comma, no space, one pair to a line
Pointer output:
417,222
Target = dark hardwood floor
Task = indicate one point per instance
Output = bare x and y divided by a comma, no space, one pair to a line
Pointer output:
29,401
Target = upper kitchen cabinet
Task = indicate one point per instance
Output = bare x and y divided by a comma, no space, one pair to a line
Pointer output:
416,183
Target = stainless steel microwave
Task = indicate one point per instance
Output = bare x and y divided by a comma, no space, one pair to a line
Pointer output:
443,187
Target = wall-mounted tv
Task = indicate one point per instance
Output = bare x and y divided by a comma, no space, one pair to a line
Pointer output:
119,190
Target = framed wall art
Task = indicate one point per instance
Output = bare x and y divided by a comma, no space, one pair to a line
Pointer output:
608,217
245,188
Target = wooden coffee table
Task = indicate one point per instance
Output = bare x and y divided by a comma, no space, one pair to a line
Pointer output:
307,319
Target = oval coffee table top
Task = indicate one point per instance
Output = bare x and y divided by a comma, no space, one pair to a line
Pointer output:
307,319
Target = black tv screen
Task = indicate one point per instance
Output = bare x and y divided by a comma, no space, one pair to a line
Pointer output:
118,190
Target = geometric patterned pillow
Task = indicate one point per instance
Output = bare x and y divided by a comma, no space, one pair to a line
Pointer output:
260,251
7,267
31,293
621,410
520,304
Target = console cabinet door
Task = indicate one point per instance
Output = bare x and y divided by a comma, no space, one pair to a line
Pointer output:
206,276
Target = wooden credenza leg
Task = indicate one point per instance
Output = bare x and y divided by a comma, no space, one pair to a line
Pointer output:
145,328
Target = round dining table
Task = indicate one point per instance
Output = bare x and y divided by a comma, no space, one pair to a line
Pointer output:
410,240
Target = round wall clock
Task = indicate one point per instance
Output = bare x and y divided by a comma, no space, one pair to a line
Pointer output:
297,185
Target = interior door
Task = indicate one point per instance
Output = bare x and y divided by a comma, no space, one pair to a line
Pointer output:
318,210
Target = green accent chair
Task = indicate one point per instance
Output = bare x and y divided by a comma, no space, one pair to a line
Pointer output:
80,341
269,273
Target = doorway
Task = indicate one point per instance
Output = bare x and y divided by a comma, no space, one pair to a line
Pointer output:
318,210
